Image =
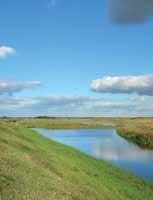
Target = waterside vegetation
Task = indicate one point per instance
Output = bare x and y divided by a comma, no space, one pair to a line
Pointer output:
137,130
33,167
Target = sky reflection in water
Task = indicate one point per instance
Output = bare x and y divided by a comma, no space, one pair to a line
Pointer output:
108,145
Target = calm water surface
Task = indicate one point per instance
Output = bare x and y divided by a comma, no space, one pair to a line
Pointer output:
106,144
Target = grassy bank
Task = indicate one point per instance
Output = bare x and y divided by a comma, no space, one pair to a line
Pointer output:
137,130
141,135
35,168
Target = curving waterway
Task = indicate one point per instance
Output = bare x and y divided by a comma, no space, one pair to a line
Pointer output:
106,144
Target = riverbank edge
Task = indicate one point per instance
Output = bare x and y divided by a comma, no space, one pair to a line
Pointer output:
142,140
136,134
100,175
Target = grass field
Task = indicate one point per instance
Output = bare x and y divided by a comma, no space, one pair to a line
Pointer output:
57,123
35,168
137,130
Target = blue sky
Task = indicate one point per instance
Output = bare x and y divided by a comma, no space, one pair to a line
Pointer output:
65,45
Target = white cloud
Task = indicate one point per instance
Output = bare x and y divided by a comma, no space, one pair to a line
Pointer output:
130,11
5,51
12,87
142,85
72,106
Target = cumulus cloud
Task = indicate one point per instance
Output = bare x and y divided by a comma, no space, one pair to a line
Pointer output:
141,85
64,106
7,87
46,101
77,103
75,106
130,11
5,51
69,105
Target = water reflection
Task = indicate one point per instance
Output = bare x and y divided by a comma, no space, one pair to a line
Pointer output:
108,145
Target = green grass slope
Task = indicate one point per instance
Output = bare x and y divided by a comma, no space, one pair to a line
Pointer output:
35,168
